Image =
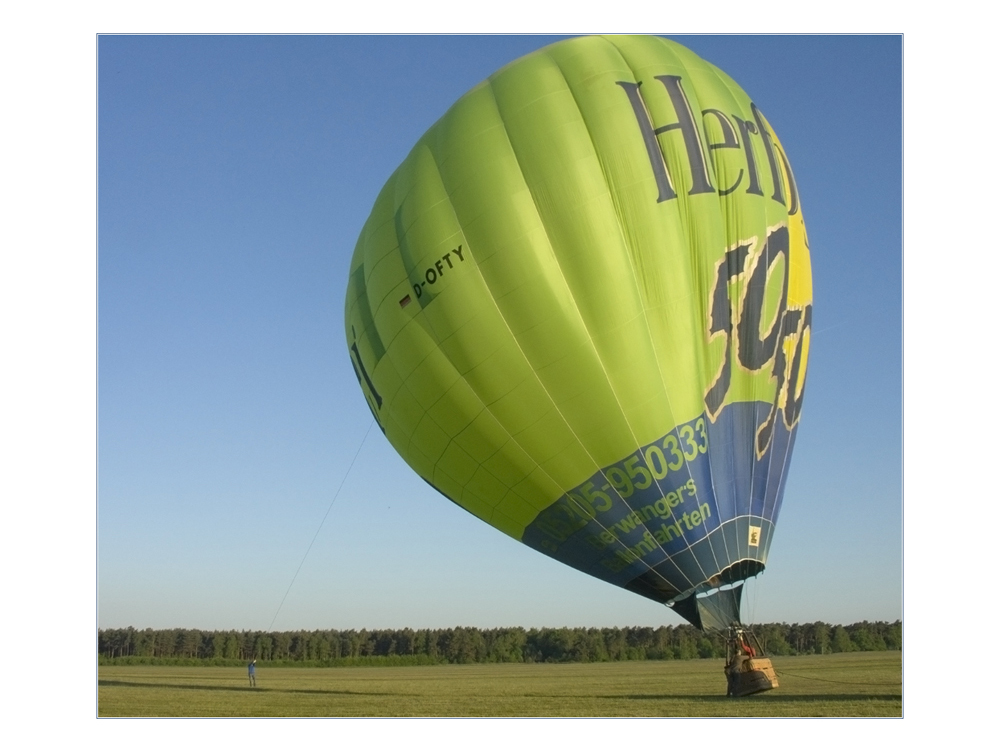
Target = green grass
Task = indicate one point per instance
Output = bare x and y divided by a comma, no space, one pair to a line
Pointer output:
839,685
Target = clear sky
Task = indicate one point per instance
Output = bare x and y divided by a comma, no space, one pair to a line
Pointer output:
234,175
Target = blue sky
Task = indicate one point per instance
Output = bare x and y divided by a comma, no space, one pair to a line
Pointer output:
234,175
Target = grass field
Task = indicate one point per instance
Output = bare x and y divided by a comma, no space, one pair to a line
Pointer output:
839,685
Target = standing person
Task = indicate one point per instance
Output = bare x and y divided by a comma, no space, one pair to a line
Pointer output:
250,672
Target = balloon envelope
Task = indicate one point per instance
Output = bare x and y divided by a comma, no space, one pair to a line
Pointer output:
581,310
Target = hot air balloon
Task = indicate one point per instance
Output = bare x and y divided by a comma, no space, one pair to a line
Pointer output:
581,308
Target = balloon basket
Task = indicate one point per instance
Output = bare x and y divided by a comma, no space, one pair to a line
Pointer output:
750,676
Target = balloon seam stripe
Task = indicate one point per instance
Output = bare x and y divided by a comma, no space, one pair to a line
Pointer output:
596,351
555,405
645,313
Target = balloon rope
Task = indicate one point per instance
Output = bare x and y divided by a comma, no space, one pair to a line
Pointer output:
753,592
316,535
838,681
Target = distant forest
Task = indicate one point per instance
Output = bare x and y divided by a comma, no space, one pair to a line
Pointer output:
333,647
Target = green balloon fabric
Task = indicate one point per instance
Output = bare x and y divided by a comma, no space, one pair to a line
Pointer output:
581,310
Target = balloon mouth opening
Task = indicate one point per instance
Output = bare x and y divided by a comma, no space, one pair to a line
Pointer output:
715,603
729,578
713,591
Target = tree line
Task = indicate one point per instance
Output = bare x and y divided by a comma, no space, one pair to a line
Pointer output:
333,647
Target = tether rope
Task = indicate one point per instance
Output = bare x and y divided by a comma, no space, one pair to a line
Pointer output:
316,535
835,681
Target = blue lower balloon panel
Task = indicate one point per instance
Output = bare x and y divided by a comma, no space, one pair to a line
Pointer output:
692,511
717,557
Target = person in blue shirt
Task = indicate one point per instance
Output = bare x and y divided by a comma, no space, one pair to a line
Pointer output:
250,671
